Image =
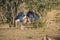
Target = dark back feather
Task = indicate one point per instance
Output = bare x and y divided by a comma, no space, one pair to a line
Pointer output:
32,15
20,16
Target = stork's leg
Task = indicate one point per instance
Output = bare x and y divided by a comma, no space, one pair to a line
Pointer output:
22,26
29,22
16,24
9,23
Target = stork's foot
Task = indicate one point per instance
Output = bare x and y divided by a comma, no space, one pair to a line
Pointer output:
22,27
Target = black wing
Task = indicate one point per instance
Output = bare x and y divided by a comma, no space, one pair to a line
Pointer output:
20,16
32,15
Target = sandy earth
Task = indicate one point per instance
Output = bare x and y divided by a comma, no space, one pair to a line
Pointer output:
51,29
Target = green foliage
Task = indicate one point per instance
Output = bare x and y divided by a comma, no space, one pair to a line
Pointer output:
0,0
41,6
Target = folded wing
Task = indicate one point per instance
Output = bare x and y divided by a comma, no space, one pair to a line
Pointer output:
32,15
20,16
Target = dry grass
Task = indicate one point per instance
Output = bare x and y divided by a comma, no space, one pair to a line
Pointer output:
51,29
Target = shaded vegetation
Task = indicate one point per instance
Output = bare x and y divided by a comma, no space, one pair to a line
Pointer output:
39,6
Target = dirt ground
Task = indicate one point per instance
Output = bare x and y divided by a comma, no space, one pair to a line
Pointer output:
51,29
